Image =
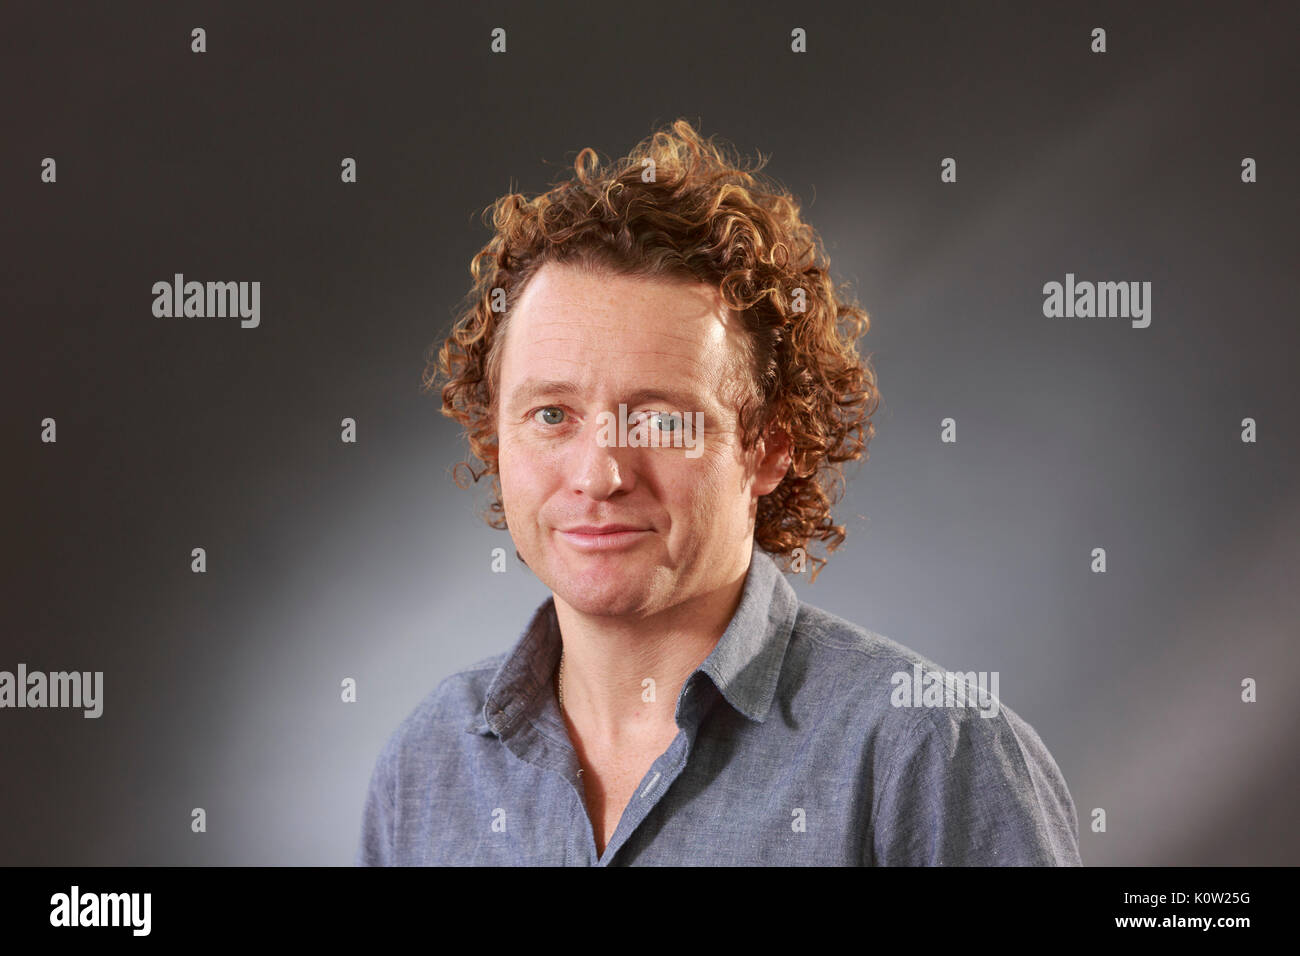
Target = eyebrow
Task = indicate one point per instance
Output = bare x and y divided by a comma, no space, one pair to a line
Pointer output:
531,389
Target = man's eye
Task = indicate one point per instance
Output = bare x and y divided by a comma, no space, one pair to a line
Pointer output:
551,415
666,421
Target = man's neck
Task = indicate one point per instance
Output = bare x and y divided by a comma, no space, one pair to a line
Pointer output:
609,662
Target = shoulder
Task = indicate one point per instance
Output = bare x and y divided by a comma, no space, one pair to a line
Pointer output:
942,742
855,668
828,635
971,787
880,673
422,743
960,711
454,706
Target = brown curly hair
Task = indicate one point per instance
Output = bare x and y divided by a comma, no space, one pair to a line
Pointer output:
678,206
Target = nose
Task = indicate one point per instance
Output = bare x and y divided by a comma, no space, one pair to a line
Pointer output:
596,469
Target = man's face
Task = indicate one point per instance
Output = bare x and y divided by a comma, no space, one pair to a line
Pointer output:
579,344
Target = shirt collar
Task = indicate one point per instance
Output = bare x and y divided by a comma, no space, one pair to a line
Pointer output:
744,665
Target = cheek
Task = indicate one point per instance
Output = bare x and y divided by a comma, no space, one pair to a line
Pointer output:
525,473
704,488
508,472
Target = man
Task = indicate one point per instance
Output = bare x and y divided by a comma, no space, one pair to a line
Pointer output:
662,377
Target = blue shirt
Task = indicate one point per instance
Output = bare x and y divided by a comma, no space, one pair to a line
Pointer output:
793,749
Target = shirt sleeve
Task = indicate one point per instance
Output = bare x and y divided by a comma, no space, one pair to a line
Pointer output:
376,847
968,790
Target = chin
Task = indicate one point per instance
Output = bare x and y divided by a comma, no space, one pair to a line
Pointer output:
599,606
604,587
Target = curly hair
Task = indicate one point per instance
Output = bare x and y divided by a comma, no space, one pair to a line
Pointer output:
679,207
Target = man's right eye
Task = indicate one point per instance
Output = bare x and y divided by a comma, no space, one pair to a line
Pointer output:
551,415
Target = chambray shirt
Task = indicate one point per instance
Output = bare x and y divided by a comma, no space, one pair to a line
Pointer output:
790,751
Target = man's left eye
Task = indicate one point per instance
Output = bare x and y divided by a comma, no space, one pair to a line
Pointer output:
666,421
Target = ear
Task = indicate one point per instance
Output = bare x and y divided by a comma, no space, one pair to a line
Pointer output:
773,461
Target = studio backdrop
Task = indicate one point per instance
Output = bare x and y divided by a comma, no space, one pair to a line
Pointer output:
1073,227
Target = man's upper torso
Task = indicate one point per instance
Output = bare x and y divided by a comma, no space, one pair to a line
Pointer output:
790,751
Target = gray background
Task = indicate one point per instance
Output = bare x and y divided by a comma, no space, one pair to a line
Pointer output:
329,560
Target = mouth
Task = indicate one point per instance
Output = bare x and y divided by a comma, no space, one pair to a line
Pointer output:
610,537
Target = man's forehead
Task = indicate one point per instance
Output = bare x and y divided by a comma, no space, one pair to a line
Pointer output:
565,300
571,324
685,381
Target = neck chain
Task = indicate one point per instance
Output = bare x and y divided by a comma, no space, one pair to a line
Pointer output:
559,681
559,691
